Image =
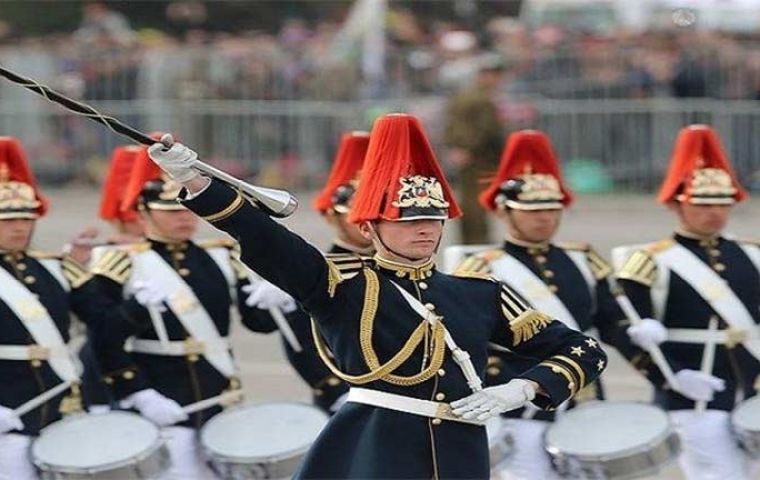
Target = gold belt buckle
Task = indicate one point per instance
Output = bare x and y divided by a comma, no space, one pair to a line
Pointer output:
38,352
194,347
735,336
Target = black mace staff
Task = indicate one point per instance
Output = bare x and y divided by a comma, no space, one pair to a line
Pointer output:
277,203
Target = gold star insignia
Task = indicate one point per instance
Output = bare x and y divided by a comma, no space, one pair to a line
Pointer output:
577,351
600,365
592,343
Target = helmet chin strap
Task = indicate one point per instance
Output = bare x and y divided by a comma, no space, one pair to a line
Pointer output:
376,235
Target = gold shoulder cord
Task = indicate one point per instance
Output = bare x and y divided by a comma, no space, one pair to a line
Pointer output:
378,371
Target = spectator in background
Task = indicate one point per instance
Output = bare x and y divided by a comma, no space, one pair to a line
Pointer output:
474,134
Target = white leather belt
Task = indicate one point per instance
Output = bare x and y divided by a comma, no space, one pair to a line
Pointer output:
401,403
182,348
730,337
33,352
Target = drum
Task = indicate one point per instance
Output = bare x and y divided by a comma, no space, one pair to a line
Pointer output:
612,440
745,422
266,440
114,445
501,444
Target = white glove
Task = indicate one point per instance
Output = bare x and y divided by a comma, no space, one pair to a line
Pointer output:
149,293
264,295
177,161
9,420
493,401
648,333
161,410
697,386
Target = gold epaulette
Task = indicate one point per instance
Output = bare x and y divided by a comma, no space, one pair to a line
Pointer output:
74,272
640,267
478,264
524,321
600,268
341,267
576,246
660,246
749,241
474,275
219,243
116,264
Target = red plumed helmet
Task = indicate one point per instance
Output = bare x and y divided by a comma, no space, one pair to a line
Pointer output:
401,179
119,172
19,194
528,177
341,184
699,171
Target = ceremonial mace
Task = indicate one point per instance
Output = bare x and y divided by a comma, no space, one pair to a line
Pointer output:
277,203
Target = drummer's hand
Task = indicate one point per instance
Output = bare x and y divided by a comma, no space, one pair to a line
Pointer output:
177,161
9,421
264,295
161,410
149,293
696,385
493,401
648,333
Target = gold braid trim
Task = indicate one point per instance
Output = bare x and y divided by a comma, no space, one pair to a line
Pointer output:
233,207
580,373
376,370
527,325
562,370
334,277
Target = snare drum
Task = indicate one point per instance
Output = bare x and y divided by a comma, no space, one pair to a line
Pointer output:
265,440
745,422
612,440
114,445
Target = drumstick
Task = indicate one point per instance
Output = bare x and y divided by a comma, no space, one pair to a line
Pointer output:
708,357
657,356
196,407
44,397
285,330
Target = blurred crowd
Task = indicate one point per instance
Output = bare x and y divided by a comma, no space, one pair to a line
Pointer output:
107,59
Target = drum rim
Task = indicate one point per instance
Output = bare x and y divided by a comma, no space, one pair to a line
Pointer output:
663,437
155,447
220,457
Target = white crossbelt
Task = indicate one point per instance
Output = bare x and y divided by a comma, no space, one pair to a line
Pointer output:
401,403
177,348
35,352
729,336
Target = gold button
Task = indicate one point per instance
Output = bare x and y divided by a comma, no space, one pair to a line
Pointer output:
540,259
193,358
440,396
317,392
422,285
179,256
714,253
333,381
429,274
429,306
128,375
29,279
548,274
493,371
184,272
441,372
108,380
553,288
719,267
234,383
21,267
36,363
8,257
436,421
571,386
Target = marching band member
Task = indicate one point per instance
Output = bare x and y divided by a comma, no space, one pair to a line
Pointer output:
408,338
169,299
567,280
334,203
678,285
38,292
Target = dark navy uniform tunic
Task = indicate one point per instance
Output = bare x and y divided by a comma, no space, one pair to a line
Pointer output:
595,310
326,388
357,302
684,308
185,379
22,380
